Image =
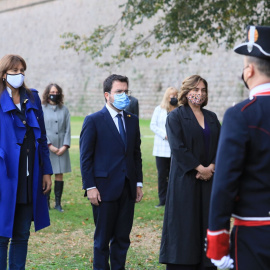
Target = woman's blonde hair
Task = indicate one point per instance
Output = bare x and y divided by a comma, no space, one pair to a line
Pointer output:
8,62
189,84
165,103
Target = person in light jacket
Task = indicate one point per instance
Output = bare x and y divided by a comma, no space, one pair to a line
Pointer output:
25,168
161,149
57,122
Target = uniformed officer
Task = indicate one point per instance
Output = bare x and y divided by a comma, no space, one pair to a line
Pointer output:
241,187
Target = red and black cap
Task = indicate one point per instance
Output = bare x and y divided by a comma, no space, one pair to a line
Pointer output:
257,43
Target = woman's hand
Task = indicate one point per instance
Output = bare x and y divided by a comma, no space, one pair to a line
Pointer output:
212,167
53,148
204,173
61,150
46,183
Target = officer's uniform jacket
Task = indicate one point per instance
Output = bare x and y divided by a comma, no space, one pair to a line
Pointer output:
241,186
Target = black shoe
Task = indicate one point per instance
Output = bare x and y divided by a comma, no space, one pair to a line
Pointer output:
59,208
160,205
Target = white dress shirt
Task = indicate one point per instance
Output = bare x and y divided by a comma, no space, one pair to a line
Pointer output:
113,114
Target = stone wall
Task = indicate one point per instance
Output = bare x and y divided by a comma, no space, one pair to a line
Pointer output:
32,29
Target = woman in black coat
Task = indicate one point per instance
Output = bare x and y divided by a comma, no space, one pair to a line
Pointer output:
193,137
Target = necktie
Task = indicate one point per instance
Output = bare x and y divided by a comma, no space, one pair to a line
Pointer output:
121,128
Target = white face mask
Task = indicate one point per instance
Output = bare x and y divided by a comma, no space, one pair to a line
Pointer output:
15,80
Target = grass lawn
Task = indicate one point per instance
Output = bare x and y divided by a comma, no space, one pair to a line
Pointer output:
68,242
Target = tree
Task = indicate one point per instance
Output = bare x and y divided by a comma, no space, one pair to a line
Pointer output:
177,25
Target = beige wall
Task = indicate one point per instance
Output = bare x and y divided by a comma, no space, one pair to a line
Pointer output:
34,33
9,5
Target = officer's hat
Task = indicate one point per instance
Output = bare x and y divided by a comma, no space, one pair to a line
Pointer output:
257,43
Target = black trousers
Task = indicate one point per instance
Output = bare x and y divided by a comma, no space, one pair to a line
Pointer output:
113,222
250,247
163,167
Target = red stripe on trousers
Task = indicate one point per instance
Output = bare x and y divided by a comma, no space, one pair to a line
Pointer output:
235,246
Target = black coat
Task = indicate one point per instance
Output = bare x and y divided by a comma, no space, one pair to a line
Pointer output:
133,106
187,203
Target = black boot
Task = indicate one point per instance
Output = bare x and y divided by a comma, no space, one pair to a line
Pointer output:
58,190
48,199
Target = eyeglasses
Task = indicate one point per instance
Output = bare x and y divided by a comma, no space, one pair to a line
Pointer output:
118,92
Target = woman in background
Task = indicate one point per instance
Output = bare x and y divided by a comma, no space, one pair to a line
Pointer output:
25,168
193,134
161,149
57,122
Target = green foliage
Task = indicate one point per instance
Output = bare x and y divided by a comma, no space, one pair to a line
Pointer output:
177,25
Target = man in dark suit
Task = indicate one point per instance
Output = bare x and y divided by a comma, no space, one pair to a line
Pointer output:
241,187
111,168
133,106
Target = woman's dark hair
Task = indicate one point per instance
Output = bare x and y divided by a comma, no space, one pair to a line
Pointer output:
107,84
8,62
46,93
188,84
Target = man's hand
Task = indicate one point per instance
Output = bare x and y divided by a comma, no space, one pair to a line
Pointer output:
61,150
224,263
139,194
94,196
46,183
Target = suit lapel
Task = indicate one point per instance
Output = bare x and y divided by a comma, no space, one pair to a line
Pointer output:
110,123
188,114
194,127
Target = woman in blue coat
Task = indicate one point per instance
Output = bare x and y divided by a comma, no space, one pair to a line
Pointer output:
25,168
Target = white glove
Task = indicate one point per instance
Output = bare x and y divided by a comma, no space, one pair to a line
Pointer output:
224,263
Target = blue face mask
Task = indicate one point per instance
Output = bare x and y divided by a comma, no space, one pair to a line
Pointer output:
15,80
121,101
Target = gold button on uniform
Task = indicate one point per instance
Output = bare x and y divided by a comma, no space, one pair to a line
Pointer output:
24,122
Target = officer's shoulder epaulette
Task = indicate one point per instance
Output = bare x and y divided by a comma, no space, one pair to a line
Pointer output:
248,104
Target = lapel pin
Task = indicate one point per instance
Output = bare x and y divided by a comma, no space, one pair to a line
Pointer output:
128,115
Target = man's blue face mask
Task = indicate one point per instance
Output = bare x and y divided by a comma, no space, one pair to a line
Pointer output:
121,101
